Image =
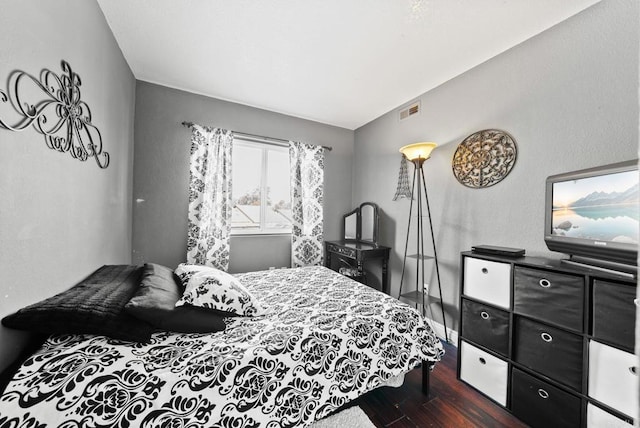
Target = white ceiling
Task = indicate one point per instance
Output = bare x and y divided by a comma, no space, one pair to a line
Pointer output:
340,62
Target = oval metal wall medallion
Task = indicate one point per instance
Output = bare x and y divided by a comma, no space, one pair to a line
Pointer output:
484,158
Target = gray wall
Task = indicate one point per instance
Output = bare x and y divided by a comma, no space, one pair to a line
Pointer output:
569,97
60,219
162,173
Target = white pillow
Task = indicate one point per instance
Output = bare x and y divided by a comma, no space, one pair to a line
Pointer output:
214,289
185,271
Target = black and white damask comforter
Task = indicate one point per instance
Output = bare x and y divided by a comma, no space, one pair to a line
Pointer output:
323,341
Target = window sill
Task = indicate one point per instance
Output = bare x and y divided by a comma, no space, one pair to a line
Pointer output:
256,234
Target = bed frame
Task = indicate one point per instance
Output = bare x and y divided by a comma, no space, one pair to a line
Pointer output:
426,370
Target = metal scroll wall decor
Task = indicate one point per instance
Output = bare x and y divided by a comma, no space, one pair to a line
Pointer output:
484,158
62,117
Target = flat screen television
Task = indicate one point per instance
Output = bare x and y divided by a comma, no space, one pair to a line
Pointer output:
592,215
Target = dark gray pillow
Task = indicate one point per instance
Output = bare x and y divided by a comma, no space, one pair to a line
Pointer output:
158,293
155,303
94,306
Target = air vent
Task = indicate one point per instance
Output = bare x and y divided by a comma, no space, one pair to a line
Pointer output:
410,110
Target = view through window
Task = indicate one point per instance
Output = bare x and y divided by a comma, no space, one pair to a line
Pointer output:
261,193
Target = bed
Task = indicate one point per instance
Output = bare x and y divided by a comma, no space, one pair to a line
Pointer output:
309,342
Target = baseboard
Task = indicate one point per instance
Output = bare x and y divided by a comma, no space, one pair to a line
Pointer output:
439,330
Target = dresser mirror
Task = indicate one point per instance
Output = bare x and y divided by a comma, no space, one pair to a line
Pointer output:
351,225
369,222
361,224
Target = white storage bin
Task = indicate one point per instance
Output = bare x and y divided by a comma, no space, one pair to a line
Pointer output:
483,371
613,378
598,418
488,281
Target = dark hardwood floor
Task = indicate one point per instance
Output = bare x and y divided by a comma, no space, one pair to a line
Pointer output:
451,403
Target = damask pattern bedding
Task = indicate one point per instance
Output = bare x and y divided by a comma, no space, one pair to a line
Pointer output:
322,341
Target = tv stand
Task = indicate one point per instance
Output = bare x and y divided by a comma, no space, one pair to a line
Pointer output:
628,271
550,341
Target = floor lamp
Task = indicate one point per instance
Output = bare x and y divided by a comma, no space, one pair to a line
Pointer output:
418,153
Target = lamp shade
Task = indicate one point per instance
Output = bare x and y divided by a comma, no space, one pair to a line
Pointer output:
418,151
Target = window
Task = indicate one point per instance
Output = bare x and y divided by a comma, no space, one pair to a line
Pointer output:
261,189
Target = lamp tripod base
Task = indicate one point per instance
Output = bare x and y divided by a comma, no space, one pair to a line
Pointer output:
419,295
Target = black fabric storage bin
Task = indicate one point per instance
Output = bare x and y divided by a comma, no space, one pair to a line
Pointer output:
558,298
486,326
541,405
614,313
550,351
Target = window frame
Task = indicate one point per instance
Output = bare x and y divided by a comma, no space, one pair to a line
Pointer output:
265,148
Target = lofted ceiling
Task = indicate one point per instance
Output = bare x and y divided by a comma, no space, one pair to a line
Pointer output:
339,62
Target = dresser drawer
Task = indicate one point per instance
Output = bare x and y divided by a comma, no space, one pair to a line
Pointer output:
485,372
598,418
549,351
613,377
542,405
614,313
486,326
345,251
488,281
550,296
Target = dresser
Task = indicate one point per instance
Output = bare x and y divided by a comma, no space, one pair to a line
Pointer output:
359,253
551,342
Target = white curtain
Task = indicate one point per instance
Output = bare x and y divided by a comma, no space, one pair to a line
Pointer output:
210,197
307,194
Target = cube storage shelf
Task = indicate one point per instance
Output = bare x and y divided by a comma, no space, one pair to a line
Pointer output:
551,342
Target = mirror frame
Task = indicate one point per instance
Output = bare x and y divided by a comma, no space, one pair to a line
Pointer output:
344,225
374,239
358,212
